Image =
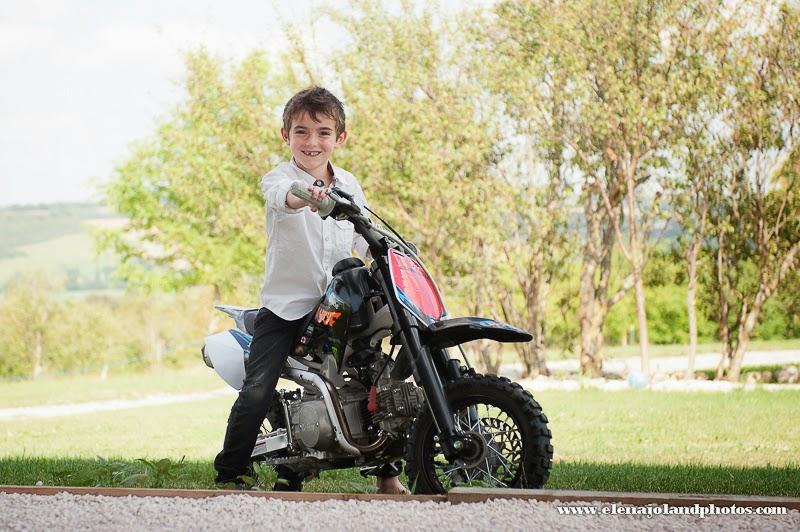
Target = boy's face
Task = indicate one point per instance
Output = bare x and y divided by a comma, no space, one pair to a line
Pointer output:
312,143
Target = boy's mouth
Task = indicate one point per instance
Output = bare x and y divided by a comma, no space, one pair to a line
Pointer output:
311,153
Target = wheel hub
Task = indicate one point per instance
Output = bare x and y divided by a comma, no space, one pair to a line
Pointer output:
473,451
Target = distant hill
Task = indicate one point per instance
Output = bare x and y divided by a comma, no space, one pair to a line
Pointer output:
56,238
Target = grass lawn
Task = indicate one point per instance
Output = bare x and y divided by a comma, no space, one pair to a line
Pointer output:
635,440
194,474
87,388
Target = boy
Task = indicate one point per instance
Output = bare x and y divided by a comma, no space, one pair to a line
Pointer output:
302,249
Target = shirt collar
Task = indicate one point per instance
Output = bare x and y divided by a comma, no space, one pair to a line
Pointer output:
335,181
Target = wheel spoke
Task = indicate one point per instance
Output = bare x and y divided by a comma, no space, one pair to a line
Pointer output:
502,458
488,474
501,437
452,469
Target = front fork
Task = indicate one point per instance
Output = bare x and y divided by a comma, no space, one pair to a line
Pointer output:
426,375
452,441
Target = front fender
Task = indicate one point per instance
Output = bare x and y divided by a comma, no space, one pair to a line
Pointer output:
452,332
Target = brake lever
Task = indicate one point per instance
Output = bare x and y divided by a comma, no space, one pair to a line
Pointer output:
345,201
341,193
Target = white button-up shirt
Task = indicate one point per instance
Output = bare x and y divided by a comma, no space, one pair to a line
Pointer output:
302,247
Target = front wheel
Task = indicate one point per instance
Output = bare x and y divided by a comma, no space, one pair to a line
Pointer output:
509,434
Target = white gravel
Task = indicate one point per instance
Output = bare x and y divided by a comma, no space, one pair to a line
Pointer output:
703,361
659,367
241,512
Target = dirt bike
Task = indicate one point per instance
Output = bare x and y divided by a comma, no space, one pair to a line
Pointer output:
357,405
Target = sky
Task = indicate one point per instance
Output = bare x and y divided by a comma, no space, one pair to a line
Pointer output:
82,79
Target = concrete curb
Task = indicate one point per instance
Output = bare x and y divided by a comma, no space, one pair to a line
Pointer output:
200,494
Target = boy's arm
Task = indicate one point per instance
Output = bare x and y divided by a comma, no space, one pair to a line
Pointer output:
275,187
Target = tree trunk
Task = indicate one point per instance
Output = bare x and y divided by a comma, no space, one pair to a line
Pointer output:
534,356
491,364
591,315
737,356
722,312
213,322
591,346
744,334
537,365
644,342
749,314
690,307
484,348
158,346
593,292
637,266
38,349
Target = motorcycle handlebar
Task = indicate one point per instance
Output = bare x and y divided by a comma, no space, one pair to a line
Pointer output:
324,207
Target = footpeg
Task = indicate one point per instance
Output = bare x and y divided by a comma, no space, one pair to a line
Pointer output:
269,443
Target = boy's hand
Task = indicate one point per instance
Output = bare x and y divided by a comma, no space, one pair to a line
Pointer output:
319,195
293,202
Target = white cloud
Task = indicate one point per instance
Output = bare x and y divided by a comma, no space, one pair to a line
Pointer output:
16,40
82,79
159,45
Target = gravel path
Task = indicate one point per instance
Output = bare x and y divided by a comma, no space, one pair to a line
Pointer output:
240,512
32,412
671,364
659,366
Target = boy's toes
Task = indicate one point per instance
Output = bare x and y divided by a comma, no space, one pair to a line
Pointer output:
391,486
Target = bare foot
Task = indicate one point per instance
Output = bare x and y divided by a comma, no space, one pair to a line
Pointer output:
390,485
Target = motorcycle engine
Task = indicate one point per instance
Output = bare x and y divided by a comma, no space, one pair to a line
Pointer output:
393,403
312,428
311,425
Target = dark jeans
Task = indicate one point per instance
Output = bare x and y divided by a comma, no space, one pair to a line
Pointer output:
272,342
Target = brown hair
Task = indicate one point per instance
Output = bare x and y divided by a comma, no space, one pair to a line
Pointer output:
314,101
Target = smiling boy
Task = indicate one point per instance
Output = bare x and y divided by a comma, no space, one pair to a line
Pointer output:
301,252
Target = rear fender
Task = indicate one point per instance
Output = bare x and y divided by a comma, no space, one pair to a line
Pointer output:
228,352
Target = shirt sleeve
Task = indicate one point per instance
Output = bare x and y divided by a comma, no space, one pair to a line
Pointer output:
274,186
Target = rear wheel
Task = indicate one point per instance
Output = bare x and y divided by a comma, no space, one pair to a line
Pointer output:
507,433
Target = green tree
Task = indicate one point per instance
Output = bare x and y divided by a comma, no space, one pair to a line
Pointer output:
627,80
191,191
755,213
537,196
26,313
696,160
419,140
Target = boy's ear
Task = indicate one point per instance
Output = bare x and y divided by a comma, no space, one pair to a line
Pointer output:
285,135
342,138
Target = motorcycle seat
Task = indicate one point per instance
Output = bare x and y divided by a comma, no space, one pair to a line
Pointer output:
346,264
249,319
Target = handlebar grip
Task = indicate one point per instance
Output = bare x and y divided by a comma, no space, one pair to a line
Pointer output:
324,207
